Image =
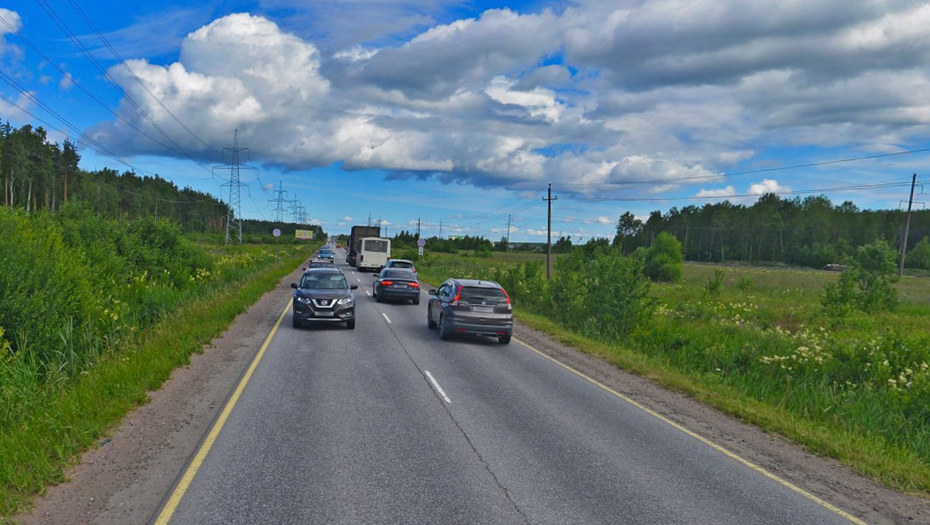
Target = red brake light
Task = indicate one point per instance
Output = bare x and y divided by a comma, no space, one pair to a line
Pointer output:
506,295
414,285
387,283
458,294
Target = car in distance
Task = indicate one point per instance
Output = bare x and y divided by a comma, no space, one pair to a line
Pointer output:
325,253
470,306
395,283
319,263
352,258
401,263
324,296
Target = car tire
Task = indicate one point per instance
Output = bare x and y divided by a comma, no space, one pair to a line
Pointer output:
378,298
429,319
444,333
504,339
416,301
350,324
295,322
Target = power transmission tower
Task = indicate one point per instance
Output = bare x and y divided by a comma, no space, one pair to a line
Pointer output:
295,207
907,227
549,198
234,213
279,209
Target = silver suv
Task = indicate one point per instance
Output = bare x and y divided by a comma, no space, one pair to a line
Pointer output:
469,306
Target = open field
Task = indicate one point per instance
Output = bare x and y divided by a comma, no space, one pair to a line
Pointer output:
760,347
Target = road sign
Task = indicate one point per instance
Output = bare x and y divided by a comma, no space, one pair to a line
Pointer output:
420,250
276,232
421,243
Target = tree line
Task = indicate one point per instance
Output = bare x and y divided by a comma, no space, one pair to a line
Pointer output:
39,175
805,232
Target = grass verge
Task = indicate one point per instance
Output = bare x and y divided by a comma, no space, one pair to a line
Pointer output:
68,421
869,455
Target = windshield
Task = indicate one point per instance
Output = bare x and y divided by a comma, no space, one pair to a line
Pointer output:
474,294
324,281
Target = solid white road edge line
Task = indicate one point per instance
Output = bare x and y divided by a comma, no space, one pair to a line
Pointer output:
437,387
385,317
369,293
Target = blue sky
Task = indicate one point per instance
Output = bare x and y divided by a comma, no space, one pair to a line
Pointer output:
461,113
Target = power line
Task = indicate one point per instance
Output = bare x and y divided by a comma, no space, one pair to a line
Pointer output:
749,172
731,196
132,73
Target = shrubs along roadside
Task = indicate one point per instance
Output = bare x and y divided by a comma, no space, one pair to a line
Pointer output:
94,313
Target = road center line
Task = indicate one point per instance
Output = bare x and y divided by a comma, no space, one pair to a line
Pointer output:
438,388
369,293
385,317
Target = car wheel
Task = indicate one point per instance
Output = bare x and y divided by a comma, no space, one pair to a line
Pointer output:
443,328
429,319
416,301
504,339
350,324
295,321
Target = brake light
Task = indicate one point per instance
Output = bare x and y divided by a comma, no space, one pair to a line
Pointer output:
414,285
387,283
458,294
506,295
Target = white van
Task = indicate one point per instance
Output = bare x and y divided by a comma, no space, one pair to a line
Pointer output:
373,253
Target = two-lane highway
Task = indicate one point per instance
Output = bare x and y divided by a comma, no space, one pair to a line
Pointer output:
388,424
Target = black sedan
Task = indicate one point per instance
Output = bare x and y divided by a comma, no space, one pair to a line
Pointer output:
396,284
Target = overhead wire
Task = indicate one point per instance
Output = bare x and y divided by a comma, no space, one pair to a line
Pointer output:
132,73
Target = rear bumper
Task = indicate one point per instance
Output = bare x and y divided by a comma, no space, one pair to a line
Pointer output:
496,329
388,293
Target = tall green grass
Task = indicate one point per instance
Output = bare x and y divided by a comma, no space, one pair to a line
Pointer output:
757,343
93,314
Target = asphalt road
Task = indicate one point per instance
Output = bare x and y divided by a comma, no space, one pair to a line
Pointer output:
387,424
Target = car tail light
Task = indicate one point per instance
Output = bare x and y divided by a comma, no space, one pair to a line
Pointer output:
507,296
387,283
458,294
414,285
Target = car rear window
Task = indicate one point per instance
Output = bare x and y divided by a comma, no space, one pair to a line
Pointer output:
399,274
401,264
474,294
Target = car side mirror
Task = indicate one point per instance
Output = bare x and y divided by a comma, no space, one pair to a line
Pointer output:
353,287
304,268
293,285
432,292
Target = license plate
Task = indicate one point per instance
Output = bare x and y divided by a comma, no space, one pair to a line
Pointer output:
324,314
483,309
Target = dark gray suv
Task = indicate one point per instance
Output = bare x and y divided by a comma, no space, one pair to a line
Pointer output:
469,306
323,295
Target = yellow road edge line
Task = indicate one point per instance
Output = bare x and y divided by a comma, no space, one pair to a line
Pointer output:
706,441
171,506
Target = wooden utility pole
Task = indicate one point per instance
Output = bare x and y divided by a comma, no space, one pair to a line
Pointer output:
907,227
549,200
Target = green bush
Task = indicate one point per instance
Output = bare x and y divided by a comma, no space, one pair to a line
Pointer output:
601,292
714,284
919,256
866,285
664,258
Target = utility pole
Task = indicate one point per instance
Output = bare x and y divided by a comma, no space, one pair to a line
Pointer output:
369,220
549,198
279,209
234,213
907,227
418,228
509,217
440,228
